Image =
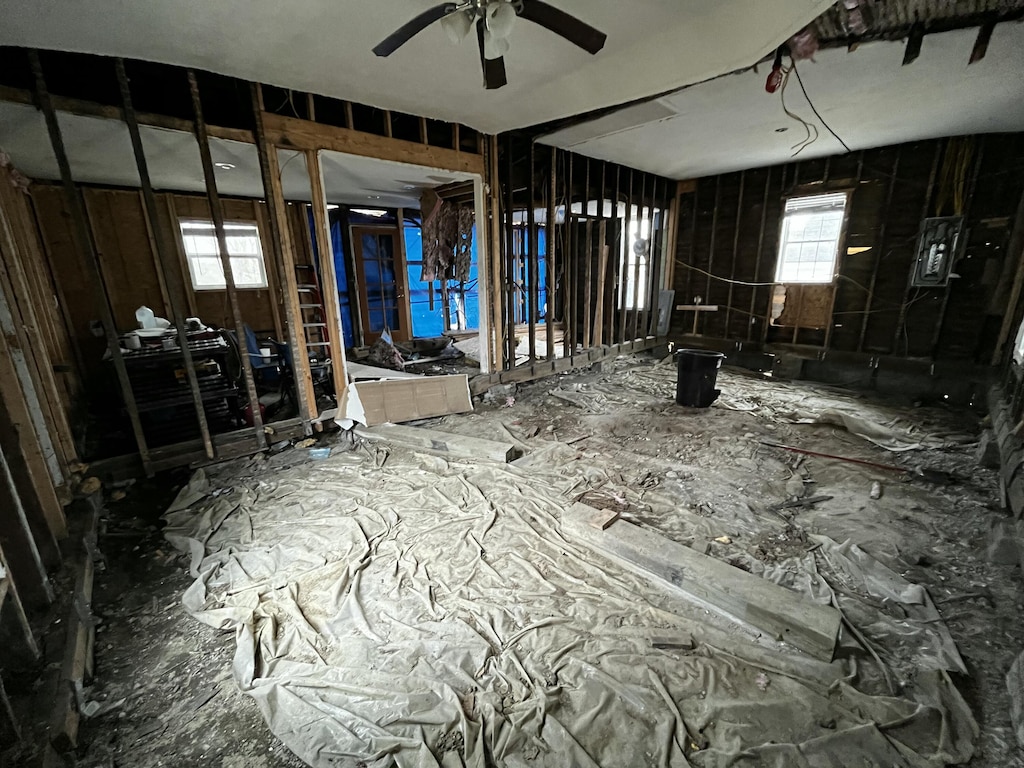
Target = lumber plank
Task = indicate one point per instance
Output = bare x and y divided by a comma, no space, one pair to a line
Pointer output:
747,599
441,442
328,276
294,133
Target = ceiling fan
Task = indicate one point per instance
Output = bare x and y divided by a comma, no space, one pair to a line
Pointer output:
493,21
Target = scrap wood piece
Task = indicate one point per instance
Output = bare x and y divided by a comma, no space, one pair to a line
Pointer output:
677,641
793,503
750,600
441,442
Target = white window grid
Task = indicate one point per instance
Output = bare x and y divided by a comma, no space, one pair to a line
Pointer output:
809,243
202,253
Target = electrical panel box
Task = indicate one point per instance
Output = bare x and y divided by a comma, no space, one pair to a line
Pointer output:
937,248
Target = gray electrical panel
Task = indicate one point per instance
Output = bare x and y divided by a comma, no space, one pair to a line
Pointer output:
937,248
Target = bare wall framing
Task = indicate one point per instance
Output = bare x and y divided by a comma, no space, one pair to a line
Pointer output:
728,237
598,295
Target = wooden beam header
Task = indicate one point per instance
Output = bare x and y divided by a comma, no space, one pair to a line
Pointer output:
293,133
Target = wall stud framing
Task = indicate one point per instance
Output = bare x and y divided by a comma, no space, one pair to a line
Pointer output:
85,244
281,246
217,214
161,254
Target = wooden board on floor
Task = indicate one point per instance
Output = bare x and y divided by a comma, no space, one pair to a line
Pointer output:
441,442
750,600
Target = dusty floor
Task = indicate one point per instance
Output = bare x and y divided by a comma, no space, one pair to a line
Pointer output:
696,476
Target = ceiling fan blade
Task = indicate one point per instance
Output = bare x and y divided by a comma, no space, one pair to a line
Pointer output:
561,23
407,32
494,69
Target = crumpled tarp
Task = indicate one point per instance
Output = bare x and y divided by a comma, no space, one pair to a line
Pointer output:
428,613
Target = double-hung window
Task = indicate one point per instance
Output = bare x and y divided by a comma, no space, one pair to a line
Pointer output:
203,255
809,244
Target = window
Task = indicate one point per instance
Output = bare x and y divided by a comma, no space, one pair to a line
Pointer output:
809,244
200,240
635,258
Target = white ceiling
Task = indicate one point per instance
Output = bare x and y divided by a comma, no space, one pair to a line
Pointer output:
324,46
866,96
100,152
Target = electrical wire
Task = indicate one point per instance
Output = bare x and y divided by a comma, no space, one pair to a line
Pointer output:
810,128
813,108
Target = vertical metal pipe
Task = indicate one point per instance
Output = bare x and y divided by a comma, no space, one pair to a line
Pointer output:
84,242
163,253
217,213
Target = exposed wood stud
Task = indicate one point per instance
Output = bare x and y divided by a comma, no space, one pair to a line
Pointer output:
627,249
533,257
388,131
1011,319
706,298
735,253
328,275
350,120
925,207
569,264
311,107
613,291
423,130
881,244
511,293
968,200
217,214
641,207
550,262
281,248
653,282
86,246
759,257
497,272
162,255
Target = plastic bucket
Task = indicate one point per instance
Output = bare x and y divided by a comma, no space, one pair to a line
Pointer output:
696,375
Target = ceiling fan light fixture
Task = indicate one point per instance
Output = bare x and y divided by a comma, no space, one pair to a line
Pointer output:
501,18
495,47
457,26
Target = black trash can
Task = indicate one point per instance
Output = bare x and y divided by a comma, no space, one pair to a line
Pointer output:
696,376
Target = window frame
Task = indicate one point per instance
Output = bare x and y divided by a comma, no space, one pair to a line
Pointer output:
259,257
840,241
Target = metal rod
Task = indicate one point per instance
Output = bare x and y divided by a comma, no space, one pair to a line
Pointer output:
163,255
217,213
84,241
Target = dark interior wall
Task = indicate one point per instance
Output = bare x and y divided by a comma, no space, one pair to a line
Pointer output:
125,244
729,225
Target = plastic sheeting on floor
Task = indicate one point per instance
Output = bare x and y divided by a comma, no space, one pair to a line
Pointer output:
427,613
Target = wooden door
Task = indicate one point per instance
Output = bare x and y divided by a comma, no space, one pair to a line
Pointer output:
380,270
